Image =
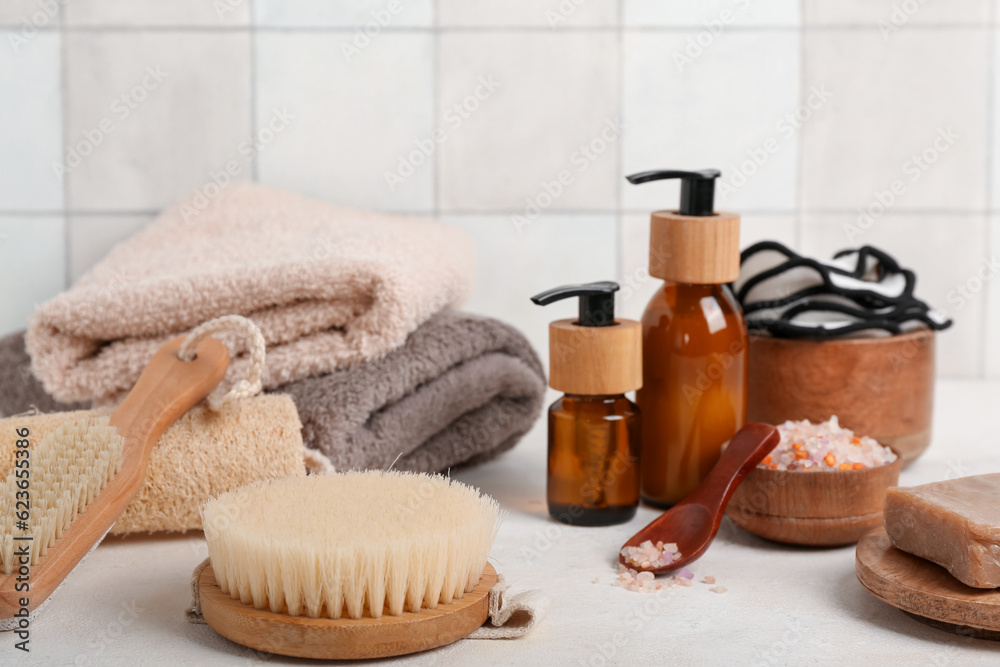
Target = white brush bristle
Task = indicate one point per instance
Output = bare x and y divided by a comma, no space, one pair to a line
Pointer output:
67,470
350,544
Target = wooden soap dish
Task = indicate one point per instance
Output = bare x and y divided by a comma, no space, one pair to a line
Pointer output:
926,591
344,639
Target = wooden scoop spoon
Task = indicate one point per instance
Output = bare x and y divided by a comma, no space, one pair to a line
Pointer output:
693,522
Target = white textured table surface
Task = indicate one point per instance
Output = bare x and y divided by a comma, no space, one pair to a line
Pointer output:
784,605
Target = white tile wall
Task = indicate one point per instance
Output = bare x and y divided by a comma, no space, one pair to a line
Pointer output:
714,15
370,15
32,265
516,262
722,106
152,115
211,13
898,111
31,118
890,14
991,333
344,137
554,14
365,84
511,137
27,14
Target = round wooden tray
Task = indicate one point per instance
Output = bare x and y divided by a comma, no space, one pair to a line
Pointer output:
925,590
344,639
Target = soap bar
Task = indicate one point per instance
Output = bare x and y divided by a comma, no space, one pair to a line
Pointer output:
954,523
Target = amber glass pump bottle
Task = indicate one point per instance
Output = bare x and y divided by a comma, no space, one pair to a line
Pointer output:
693,398
593,476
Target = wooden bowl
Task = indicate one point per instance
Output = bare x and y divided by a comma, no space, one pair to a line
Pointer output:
820,509
881,387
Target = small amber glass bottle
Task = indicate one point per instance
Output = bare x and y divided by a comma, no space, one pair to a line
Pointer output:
693,397
593,459
593,476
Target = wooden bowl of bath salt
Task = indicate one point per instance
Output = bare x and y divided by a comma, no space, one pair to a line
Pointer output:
833,502
880,386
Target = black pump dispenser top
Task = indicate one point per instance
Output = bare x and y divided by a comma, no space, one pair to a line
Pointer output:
597,301
697,188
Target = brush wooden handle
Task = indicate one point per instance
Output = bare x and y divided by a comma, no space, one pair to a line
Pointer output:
167,388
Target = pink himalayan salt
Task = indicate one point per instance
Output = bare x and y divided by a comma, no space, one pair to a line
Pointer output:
641,582
809,447
597,580
645,582
650,556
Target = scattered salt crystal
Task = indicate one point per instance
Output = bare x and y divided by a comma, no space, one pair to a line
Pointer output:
648,554
597,580
809,447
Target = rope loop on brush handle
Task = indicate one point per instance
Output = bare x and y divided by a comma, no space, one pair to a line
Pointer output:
249,386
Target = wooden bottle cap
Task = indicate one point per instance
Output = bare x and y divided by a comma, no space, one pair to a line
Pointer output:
702,250
593,361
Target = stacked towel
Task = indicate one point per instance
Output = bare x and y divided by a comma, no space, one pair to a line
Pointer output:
463,389
327,286
355,311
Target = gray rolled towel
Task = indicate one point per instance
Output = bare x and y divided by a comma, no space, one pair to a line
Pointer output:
461,390
19,388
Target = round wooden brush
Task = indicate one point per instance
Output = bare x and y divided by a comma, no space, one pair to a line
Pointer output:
62,495
352,565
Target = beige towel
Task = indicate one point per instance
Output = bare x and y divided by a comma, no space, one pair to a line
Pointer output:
200,456
328,286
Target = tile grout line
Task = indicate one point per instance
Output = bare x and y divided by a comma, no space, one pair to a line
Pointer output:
435,106
620,153
800,149
847,27
991,157
64,127
791,212
254,162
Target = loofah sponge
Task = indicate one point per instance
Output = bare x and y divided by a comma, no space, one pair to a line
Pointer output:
353,544
201,455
